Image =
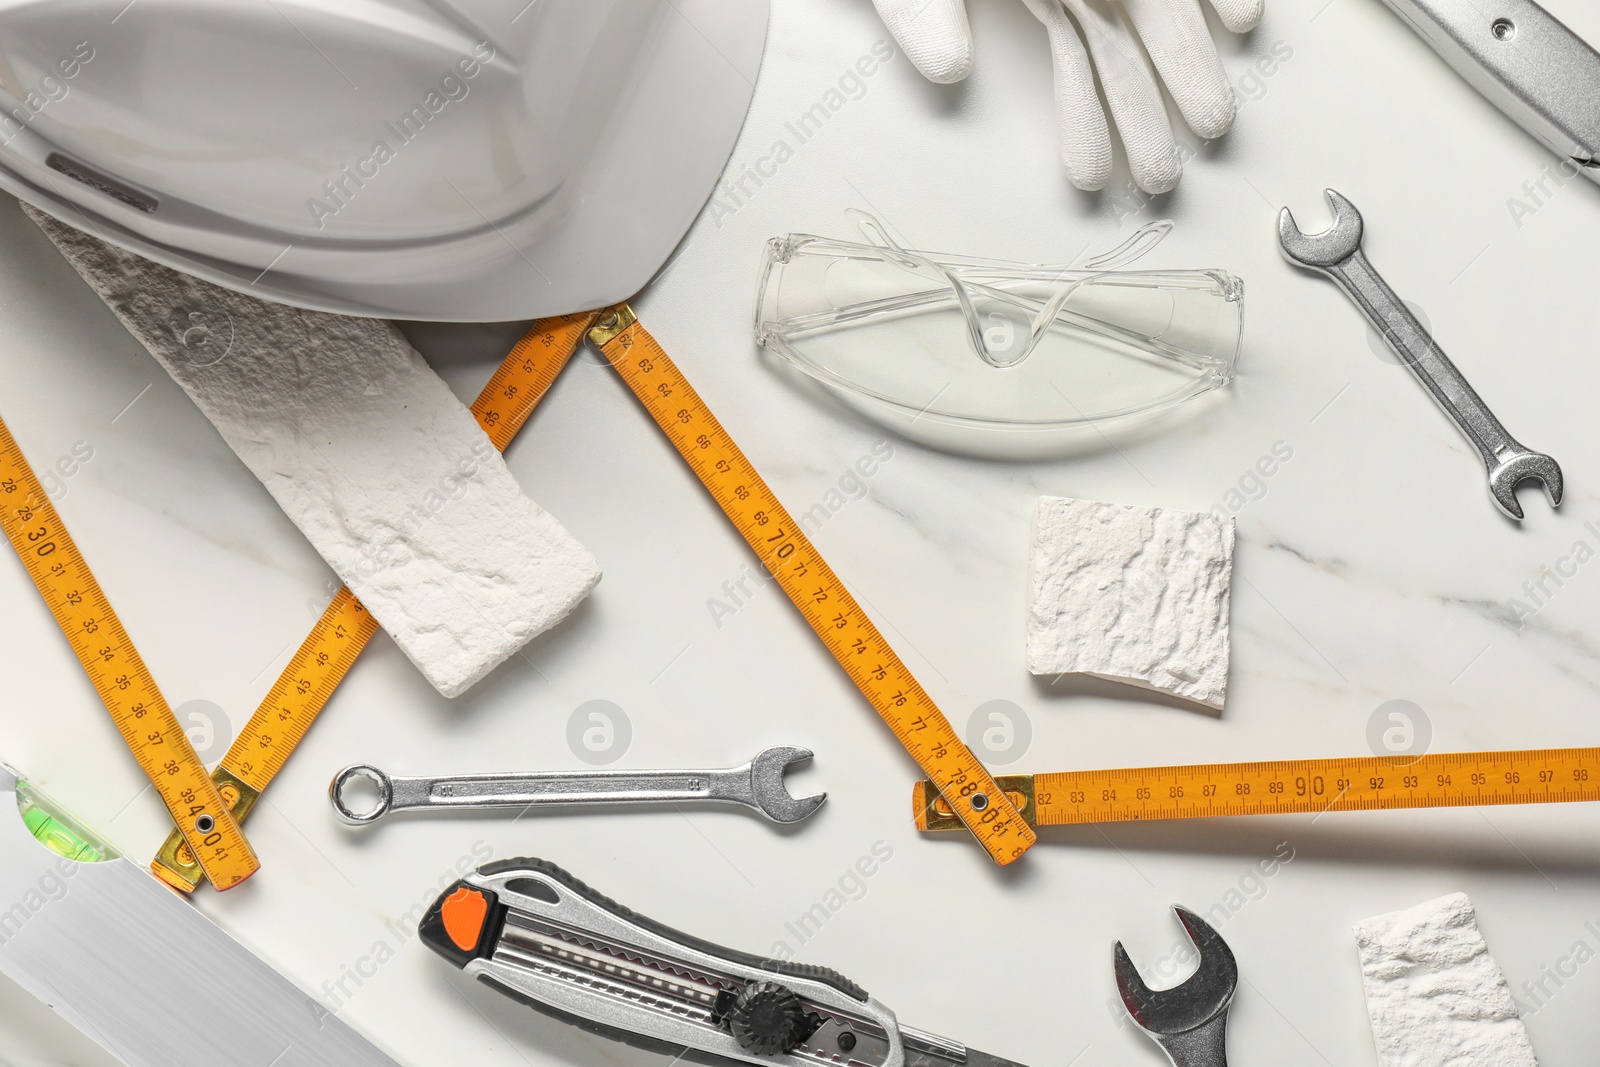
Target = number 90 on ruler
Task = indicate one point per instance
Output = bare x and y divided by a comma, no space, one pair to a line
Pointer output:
1368,783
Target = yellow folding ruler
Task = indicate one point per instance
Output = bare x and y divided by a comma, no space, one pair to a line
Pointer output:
306,683
824,602
1142,794
316,669
97,638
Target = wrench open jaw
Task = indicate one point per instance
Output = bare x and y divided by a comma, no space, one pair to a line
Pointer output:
1514,468
767,790
1325,250
1190,1020
1337,253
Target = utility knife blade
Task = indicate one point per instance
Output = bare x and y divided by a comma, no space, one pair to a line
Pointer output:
533,932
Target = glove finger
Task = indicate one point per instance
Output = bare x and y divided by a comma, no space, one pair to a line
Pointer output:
1240,16
1080,120
1131,94
933,34
1179,43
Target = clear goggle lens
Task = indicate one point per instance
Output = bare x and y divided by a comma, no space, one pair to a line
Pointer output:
990,343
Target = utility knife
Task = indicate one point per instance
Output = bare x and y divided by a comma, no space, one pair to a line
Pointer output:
1525,62
533,932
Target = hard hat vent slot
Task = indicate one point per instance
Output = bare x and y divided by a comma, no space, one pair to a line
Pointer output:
101,182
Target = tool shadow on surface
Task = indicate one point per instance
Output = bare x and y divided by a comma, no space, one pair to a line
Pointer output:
1067,687
1361,840
580,629
998,446
626,816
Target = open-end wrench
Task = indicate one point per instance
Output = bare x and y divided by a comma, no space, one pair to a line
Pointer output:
1337,253
1190,1020
757,784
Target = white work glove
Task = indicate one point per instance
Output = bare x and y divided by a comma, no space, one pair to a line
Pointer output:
936,38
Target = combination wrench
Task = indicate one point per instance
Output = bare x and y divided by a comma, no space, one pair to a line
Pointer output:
1337,253
757,784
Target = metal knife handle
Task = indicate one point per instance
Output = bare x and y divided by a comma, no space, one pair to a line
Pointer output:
1525,62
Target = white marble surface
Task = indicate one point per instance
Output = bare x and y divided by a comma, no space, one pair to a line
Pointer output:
1373,567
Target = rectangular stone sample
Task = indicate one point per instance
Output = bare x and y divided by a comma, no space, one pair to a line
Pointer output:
368,452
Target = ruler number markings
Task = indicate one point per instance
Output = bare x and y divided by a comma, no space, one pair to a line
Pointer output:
119,676
1366,783
308,681
826,605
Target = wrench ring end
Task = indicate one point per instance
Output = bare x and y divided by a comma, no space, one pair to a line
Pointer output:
371,774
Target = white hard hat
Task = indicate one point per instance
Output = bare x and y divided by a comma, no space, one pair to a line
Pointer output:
461,160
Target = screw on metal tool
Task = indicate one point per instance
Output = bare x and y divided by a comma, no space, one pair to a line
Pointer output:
1337,253
1190,1020
757,784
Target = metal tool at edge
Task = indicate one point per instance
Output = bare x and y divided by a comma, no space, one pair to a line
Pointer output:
1525,62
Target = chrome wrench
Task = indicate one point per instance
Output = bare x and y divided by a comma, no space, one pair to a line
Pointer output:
1337,253
1190,1020
757,784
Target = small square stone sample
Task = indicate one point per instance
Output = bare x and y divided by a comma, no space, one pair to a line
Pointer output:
1434,993
1131,594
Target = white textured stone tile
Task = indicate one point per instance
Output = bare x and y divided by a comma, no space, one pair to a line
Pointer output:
1132,594
1435,996
368,452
